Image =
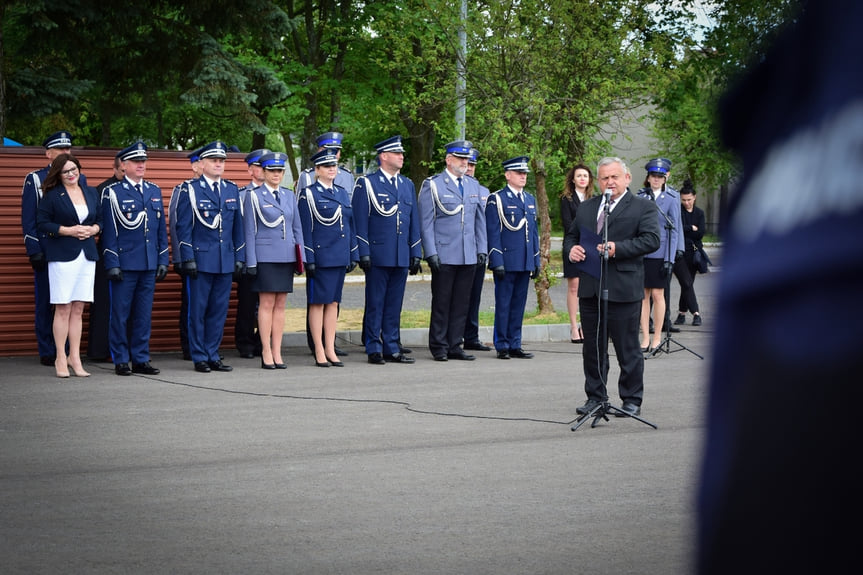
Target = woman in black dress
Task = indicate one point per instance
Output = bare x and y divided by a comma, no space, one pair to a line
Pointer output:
579,186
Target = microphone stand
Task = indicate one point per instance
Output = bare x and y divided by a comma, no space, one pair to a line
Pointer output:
665,345
602,410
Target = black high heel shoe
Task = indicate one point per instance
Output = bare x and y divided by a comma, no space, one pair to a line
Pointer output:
335,363
281,366
267,365
322,363
579,336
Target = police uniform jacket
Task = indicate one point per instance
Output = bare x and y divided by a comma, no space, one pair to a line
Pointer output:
513,237
387,220
329,235
209,226
668,202
134,236
55,210
344,179
172,221
451,226
273,227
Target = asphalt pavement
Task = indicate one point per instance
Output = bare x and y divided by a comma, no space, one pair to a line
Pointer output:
456,467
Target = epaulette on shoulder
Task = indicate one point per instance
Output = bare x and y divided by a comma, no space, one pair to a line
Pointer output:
230,182
152,183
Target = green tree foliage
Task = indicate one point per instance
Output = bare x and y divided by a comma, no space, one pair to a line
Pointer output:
711,54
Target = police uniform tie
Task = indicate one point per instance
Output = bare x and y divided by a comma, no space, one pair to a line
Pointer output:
394,182
601,219
138,187
216,190
460,187
276,195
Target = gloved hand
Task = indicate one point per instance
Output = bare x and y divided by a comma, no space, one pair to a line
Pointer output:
238,270
178,268
434,263
252,271
365,263
678,255
114,274
161,272
415,267
191,269
37,261
534,274
310,270
481,260
667,267
351,267
499,272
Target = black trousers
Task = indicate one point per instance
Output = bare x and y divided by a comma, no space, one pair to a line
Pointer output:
684,271
246,337
471,326
100,316
450,288
623,331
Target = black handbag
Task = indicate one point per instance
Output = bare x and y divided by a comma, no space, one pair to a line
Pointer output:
701,261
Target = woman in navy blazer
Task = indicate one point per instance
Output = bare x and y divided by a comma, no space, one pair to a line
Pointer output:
70,219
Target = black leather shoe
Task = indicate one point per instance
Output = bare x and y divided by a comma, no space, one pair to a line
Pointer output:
671,330
460,355
503,354
400,358
628,409
696,320
520,353
335,363
47,360
403,350
122,369
202,366
341,352
267,365
281,365
681,319
145,368
440,358
588,406
219,366
247,354
477,346
376,359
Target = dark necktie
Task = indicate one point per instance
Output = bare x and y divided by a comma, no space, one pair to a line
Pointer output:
601,219
276,195
460,187
216,190
394,182
138,187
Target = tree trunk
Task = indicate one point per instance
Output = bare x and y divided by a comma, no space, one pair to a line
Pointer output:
542,283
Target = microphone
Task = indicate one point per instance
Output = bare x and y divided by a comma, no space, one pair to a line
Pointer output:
607,195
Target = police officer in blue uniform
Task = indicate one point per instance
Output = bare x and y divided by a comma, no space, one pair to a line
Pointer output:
274,238
344,179
31,194
513,255
195,162
330,248
212,249
659,264
246,337
452,228
471,326
135,249
388,233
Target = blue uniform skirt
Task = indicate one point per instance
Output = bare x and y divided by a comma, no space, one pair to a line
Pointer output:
326,286
274,277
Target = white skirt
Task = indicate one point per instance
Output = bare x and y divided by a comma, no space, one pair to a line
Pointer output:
72,281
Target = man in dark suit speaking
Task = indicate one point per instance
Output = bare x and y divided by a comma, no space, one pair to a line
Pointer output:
633,231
